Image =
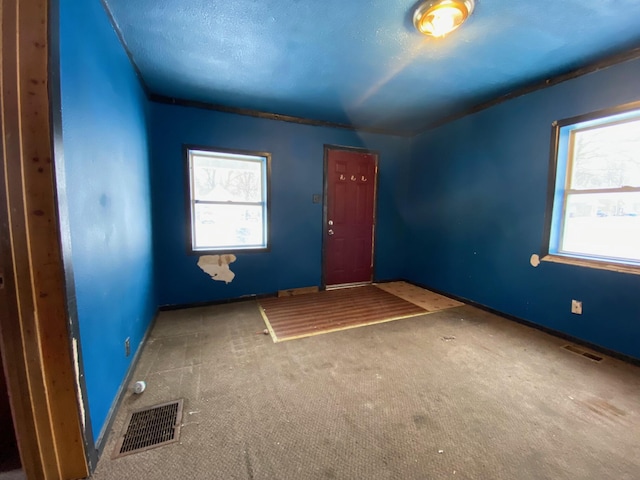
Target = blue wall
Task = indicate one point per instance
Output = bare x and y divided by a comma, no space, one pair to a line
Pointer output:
475,214
296,222
107,178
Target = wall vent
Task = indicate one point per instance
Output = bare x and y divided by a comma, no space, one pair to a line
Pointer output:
582,352
150,427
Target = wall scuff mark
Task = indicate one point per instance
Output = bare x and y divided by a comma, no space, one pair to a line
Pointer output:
217,266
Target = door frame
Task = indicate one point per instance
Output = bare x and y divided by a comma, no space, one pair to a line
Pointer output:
34,328
325,185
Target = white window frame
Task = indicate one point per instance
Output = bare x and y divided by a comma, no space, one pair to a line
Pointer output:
561,164
236,155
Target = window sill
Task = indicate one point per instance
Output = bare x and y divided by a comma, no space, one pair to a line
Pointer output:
581,262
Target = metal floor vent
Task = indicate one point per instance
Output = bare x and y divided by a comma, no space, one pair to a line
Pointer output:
584,353
149,428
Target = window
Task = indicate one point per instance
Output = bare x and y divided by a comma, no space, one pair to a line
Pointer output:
596,194
228,200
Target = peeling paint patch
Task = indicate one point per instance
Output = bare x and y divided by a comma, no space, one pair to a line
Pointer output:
217,266
535,260
76,364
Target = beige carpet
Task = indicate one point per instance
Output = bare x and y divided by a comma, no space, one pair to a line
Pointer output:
13,475
465,395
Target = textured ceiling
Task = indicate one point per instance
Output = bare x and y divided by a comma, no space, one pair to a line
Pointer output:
361,62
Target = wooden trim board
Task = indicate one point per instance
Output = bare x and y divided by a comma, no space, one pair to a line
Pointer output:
298,291
35,335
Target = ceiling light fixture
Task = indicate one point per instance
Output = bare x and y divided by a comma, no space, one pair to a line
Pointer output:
439,17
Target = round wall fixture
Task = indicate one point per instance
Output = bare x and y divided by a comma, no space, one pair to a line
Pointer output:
439,17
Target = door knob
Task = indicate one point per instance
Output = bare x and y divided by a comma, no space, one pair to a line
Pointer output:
330,222
330,232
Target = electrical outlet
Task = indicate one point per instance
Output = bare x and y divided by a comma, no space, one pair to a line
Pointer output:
127,347
576,307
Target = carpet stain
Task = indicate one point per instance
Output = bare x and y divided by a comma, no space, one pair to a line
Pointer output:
603,408
420,421
329,473
247,461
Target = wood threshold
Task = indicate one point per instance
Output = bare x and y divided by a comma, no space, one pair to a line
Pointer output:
347,285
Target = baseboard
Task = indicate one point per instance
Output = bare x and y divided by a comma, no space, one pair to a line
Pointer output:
527,323
390,281
243,298
111,416
298,291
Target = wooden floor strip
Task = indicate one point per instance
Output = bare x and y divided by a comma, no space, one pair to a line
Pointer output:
328,311
430,301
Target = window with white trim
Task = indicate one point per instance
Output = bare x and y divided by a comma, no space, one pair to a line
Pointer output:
596,196
228,200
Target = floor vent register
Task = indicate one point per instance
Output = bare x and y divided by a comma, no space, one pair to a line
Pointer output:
150,427
579,351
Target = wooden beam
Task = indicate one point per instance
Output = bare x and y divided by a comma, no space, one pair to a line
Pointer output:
13,326
35,336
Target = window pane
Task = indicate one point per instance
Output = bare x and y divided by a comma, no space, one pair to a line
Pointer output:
227,180
603,224
607,157
220,226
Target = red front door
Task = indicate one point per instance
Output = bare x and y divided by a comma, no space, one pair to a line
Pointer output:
348,230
